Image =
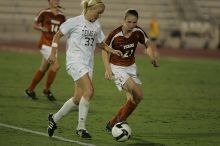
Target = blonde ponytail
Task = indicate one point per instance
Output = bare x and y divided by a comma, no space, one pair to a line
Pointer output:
84,5
88,3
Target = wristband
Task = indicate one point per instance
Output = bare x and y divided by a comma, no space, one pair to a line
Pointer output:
54,45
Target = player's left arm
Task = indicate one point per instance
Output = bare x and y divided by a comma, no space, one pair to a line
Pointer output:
104,46
150,50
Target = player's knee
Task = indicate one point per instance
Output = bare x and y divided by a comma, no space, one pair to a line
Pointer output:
138,99
76,99
138,96
55,67
43,69
89,93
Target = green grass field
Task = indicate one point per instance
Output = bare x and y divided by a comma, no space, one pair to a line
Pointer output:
181,106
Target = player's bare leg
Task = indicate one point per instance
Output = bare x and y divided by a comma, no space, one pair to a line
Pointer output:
134,96
70,104
85,84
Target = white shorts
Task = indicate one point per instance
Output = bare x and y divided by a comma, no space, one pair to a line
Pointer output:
45,51
77,70
121,74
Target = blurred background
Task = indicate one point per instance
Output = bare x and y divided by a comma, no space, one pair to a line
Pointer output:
191,24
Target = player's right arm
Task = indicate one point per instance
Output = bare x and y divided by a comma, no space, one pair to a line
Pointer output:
38,26
108,70
56,38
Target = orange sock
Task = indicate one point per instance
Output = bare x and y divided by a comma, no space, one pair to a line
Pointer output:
36,79
127,110
116,117
123,113
50,78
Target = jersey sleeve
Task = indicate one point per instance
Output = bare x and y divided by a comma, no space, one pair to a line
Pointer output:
100,35
40,17
67,27
63,18
143,38
109,39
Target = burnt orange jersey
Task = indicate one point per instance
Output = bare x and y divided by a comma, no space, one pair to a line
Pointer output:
127,46
50,21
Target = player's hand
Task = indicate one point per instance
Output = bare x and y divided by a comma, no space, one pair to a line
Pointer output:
43,29
51,59
154,63
108,74
117,52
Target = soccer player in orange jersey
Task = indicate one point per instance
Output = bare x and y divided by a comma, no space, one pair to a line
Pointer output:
47,22
122,69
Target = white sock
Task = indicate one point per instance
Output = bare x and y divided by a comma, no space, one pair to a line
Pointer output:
83,111
66,108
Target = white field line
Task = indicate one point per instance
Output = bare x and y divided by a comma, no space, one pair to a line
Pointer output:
45,134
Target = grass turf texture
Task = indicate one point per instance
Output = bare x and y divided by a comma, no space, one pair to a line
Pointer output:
180,106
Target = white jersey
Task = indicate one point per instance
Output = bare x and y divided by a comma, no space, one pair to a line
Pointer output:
82,38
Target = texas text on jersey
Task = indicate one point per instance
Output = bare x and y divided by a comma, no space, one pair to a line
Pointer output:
127,46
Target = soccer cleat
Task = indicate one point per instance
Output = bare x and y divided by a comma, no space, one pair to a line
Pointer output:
108,127
30,94
49,95
51,125
83,133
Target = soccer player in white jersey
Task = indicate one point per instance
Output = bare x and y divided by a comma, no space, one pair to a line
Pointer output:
84,34
125,38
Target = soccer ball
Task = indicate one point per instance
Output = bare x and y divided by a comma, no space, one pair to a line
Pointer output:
121,131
